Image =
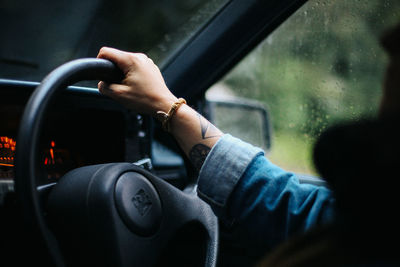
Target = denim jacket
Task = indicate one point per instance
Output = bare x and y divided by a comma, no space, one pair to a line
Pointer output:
260,204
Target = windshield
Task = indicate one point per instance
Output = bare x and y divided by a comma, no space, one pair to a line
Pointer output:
41,35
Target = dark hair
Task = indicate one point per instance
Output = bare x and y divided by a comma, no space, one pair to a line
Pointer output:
391,40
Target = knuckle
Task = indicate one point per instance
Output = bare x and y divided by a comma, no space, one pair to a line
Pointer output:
141,57
133,59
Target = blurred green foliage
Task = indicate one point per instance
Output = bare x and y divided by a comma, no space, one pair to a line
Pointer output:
322,66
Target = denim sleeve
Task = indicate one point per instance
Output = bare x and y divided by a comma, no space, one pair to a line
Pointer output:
261,203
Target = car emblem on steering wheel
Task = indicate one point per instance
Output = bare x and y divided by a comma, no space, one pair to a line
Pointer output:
142,202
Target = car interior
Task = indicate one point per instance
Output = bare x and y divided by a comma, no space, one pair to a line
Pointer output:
72,160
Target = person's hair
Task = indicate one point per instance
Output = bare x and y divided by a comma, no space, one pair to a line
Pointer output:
391,40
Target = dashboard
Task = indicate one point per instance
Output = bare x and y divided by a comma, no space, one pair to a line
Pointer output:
82,128
7,154
70,139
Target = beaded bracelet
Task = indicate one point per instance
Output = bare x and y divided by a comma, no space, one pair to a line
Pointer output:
165,118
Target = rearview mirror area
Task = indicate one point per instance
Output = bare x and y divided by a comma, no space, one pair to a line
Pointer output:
246,119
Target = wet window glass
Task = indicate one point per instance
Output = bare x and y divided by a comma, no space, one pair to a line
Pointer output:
324,65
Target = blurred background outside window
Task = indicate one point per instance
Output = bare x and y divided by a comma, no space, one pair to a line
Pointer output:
324,65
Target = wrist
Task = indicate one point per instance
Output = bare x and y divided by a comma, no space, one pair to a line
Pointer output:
194,134
166,117
183,117
163,105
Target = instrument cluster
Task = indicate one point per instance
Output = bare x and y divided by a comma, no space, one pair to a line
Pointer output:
70,139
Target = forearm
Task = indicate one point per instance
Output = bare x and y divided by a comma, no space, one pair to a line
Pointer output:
194,134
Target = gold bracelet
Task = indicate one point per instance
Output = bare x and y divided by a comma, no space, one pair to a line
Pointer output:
165,118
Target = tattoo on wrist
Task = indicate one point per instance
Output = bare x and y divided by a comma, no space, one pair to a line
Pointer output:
198,155
208,130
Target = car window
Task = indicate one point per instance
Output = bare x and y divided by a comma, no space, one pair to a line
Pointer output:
38,36
322,66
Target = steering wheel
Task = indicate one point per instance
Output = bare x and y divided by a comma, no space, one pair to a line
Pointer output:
109,214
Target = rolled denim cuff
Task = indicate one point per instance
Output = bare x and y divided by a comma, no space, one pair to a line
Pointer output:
222,169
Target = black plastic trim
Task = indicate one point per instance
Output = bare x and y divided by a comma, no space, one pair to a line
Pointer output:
30,86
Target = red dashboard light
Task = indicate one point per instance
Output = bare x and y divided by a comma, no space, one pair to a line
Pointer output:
7,151
50,154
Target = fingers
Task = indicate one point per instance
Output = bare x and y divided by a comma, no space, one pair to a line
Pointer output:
111,90
103,88
124,60
127,62
116,56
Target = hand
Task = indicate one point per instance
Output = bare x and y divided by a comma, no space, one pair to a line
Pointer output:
143,89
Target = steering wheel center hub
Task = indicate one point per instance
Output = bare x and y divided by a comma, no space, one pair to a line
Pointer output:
138,203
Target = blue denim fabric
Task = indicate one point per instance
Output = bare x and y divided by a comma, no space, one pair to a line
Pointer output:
260,203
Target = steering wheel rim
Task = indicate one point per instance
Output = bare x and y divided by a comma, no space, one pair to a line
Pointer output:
28,136
27,150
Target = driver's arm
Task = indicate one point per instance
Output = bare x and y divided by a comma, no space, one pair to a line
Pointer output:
144,90
263,203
